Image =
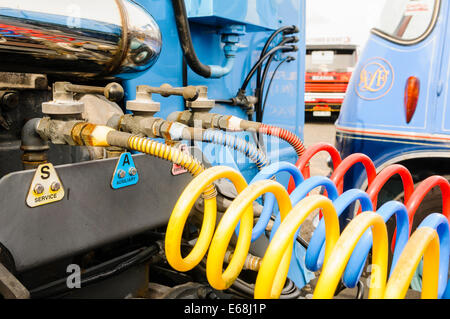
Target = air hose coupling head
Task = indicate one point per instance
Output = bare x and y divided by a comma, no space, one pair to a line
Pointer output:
290,48
293,29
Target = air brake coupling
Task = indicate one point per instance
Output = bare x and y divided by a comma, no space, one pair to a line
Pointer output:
155,127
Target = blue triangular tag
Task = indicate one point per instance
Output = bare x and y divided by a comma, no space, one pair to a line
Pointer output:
125,173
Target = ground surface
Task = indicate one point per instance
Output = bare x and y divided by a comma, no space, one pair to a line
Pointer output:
316,132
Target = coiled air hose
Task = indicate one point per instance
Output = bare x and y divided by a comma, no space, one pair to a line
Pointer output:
347,251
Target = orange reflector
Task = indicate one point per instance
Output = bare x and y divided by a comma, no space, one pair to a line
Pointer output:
412,91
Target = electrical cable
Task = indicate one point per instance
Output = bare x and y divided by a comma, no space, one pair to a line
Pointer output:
288,59
261,79
285,30
284,48
60,286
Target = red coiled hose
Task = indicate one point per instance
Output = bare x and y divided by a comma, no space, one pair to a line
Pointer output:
302,162
285,135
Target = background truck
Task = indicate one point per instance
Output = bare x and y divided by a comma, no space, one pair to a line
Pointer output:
397,111
328,71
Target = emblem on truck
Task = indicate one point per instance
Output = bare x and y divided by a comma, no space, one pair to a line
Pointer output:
375,79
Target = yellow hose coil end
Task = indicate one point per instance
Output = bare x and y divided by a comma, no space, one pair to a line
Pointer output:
272,276
241,210
181,212
423,242
337,261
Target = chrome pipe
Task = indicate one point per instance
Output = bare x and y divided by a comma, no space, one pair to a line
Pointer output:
77,38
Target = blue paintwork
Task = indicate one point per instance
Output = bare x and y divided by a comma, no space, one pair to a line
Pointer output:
285,106
256,14
385,115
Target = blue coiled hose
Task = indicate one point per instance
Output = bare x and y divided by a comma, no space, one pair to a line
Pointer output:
440,223
302,264
269,204
356,263
315,252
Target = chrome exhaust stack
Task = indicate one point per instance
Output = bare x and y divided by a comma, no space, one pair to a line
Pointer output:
77,38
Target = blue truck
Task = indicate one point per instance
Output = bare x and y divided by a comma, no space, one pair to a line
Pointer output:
396,106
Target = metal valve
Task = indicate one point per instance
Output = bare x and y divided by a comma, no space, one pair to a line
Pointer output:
145,106
113,91
63,97
189,93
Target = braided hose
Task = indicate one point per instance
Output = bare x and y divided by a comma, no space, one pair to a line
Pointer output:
166,152
285,135
238,144
347,252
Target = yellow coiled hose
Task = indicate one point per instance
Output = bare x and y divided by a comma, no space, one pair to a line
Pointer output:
275,263
424,242
183,207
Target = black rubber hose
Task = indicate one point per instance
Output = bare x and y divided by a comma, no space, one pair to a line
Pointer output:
184,35
60,286
285,30
224,101
284,48
261,80
288,59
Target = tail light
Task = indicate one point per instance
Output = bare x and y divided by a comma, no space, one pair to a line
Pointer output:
412,91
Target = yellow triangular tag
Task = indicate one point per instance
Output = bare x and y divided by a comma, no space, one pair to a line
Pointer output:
46,187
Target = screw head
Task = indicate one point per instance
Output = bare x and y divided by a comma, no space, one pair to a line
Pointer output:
121,173
38,189
55,186
132,171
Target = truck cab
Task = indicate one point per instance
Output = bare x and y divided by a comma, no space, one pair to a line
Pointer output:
328,71
396,108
